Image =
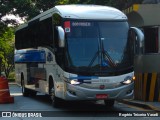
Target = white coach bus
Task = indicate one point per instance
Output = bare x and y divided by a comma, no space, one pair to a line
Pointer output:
77,52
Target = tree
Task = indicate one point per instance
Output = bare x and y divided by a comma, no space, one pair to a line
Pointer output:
7,51
2,31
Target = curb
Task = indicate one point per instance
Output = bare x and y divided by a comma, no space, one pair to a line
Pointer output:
12,83
140,104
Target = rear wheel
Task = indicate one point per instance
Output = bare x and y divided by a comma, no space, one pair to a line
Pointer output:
25,91
109,103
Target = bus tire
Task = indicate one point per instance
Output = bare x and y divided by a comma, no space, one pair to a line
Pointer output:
56,102
109,103
25,91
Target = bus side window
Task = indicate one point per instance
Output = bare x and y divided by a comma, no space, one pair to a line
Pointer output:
46,33
21,37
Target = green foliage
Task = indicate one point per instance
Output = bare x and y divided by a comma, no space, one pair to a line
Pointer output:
7,50
11,75
61,2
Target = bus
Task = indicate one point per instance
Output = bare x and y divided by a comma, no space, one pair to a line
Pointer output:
77,52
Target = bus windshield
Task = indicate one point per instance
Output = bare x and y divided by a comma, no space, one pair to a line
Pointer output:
97,45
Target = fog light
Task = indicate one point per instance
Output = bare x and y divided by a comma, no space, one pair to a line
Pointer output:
129,91
71,92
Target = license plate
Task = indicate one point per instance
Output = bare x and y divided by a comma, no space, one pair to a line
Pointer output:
101,96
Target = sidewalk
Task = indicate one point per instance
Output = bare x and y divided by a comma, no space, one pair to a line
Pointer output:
146,105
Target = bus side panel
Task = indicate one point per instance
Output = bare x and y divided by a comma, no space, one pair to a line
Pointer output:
56,73
52,70
18,74
20,71
38,78
61,86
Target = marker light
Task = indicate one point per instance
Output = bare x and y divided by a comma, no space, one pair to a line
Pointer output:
134,78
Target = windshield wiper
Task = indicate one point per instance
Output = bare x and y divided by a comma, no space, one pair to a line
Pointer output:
109,59
105,56
104,59
94,58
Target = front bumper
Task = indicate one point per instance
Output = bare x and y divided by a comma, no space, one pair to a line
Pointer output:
75,92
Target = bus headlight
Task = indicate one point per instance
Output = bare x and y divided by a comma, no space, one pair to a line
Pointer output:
71,81
127,80
74,82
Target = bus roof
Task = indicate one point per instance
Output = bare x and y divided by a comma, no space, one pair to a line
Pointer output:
95,12
90,12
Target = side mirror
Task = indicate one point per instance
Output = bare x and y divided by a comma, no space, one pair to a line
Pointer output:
61,36
138,39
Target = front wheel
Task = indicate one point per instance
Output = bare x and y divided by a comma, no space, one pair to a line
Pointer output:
109,103
56,102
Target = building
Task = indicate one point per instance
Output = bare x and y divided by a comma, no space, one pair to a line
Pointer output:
146,16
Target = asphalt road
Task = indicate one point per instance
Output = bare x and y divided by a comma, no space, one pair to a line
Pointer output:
26,108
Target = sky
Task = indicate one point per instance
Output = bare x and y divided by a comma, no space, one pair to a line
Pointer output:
13,17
